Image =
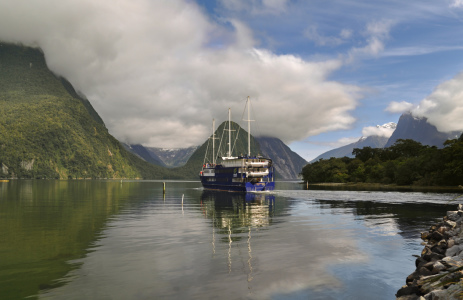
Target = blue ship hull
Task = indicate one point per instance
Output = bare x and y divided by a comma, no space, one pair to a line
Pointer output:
239,187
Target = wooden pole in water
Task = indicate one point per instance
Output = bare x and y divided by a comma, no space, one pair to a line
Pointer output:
164,188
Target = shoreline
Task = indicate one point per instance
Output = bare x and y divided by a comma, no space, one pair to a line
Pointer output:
438,273
382,187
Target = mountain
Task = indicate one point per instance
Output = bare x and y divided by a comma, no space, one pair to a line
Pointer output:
143,153
172,157
169,158
420,130
288,164
199,157
373,141
48,130
408,127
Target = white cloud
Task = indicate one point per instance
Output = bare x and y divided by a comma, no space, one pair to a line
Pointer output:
333,144
444,107
420,50
151,72
457,3
312,34
256,6
346,34
377,33
377,130
399,107
345,141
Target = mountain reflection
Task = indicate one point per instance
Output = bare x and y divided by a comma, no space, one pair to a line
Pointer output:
46,224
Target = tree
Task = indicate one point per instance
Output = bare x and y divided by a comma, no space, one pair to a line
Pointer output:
406,148
366,153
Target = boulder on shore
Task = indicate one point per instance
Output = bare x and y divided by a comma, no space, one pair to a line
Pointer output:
439,269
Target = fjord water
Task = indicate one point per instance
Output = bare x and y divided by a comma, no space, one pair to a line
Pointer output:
128,240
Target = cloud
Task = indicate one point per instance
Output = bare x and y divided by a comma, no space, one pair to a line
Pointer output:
345,141
312,34
457,3
378,130
256,6
377,33
444,107
419,50
155,74
333,144
399,107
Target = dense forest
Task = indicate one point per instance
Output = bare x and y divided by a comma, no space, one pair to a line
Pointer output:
407,162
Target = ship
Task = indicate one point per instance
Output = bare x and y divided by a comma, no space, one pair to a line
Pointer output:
244,173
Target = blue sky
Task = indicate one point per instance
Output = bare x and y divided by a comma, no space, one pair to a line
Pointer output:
422,47
320,73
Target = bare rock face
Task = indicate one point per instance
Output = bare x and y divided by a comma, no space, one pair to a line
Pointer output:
27,165
4,169
288,164
420,130
438,273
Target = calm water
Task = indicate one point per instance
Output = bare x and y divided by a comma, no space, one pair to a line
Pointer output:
126,240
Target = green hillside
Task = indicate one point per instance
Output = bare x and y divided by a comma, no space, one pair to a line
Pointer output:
48,131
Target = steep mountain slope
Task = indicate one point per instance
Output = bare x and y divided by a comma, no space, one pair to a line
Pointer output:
288,164
420,130
373,141
48,131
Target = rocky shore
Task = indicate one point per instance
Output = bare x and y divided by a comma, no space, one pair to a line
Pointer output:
439,269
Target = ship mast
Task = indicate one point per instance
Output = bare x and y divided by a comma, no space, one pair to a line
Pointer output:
229,133
249,128
213,142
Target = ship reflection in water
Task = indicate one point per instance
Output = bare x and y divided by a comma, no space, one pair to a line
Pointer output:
238,210
234,216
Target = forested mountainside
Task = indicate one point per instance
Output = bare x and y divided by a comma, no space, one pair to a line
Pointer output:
48,131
